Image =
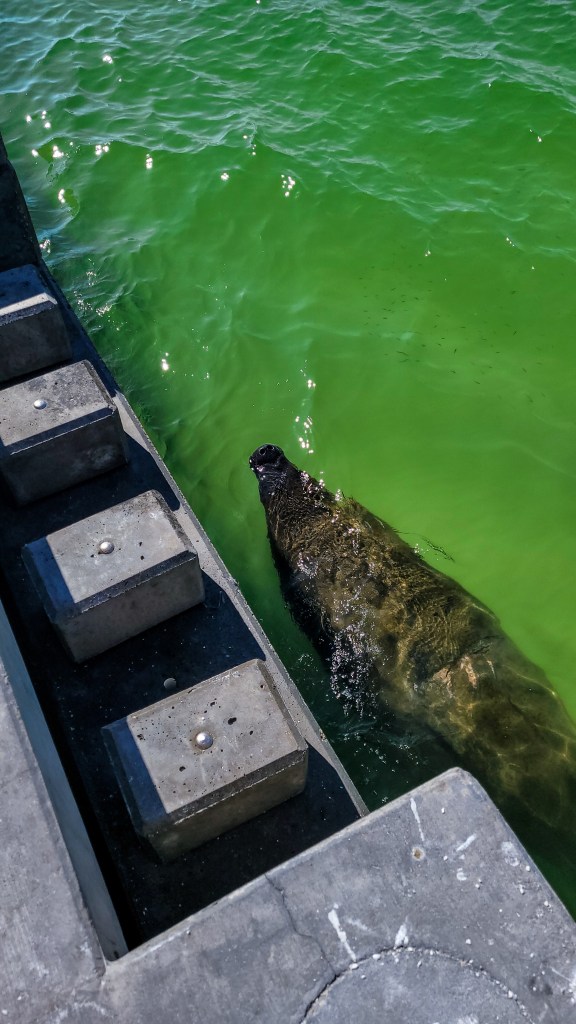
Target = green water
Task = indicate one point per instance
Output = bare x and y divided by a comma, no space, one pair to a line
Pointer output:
347,228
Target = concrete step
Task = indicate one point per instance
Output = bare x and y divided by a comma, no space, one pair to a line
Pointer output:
57,430
32,330
113,575
203,761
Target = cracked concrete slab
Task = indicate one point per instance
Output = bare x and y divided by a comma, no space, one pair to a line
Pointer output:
237,962
428,910
392,988
437,873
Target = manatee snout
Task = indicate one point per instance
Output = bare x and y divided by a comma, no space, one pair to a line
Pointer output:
266,456
273,470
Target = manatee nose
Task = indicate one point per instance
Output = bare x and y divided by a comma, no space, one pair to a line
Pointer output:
266,454
269,451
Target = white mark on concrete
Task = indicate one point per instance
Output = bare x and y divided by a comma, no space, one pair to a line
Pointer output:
41,970
467,842
460,875
335,922
572,986
401,936
510,854
62,1015
571,983
470,1018
357,924
417,817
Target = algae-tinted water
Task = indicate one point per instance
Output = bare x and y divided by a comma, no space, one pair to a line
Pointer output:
348,228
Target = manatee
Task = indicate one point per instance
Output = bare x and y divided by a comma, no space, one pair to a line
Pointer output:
421,642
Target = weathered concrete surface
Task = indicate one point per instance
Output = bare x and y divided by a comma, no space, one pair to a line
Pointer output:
425,911
440,874
181,793
428,910
95,599
48,945
32,331
56,430
27,746
410,985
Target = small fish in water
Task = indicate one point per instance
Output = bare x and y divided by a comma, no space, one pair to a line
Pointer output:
418,639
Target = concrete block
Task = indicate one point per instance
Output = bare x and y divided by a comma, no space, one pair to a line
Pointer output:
57,430
111,576
207,759
32,330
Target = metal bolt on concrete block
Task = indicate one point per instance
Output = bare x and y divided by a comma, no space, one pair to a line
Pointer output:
32,330
207,759
57,430
95,596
